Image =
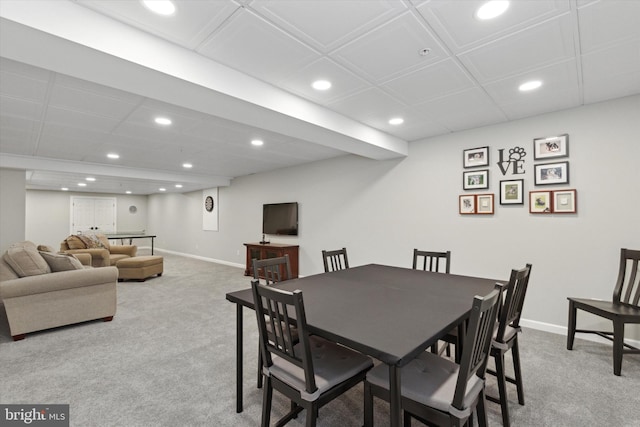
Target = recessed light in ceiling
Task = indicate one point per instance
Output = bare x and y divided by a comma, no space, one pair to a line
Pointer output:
90,178
396,121
113,156
187,165
257,142
178,185
128,191
162,189
164,121
82,184
492,9
531,85
425,51
321,85
65,188
161,7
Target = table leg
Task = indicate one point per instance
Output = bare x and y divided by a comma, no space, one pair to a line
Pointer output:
395,401
238,358
152,246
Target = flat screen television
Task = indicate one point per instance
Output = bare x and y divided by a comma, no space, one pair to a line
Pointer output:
280,219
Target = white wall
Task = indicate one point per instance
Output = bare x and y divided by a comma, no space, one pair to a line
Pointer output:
48,214
380,211
12,207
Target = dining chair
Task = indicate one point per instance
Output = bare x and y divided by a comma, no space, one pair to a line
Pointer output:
435,390
505,338
272,271
335,260
438,262
310,373
624,308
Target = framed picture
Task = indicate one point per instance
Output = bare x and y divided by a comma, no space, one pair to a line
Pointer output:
552,173
564,201
512,192
467,204
485,203
475,157
540,202
552,146
474,180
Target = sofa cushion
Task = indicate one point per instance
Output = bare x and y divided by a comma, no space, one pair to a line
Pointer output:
103,239
25,260
6,272
74,242
61,262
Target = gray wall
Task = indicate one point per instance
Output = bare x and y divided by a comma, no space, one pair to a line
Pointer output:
48,214
12,207
381,210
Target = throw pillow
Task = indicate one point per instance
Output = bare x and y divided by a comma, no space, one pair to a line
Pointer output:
103,239
61,262
74,242
45,248
25,260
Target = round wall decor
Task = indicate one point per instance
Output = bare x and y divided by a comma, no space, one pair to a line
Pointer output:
209,203
133,209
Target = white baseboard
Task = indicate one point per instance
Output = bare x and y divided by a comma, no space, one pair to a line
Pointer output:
201,258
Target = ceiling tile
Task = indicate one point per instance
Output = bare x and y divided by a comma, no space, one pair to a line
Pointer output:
607,22
392,49
611,73
371,106
541,45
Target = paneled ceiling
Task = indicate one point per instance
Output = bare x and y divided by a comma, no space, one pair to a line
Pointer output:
81,79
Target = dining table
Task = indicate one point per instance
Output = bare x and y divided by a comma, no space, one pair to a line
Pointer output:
389,313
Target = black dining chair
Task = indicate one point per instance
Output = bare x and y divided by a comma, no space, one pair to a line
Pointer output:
624,308
435,390
505,338
272,271
335,260
438,262
310,373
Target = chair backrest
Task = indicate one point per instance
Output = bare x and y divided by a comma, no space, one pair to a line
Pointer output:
511,309
335,260
272,270
281,310
627,290
477,342
439,262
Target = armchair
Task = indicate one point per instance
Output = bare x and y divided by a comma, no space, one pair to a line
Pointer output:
102,253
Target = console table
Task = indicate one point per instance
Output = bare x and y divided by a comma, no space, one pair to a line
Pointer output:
271,250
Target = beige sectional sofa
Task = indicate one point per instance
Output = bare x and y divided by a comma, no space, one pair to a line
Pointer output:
103,254
42,290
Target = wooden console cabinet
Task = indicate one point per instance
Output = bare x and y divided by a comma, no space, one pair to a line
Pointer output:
271,250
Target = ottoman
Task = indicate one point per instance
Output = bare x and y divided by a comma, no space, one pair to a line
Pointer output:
140,268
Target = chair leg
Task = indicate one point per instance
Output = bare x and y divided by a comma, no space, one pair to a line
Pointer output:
368,405
481,411
515,354
259,382
618,343
267,393
406,419
502,389
312,415
571,328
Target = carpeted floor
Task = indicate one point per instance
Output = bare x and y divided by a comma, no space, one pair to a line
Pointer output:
168,359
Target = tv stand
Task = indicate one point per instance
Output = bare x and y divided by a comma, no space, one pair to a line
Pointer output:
264,250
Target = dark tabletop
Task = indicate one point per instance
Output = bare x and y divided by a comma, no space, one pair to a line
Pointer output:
390,313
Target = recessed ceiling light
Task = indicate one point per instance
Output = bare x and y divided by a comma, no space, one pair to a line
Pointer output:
531,85
321,85
82,184
162,189
161,7
178,185
113,156
65,189
164,121
257,142
90,178
492,9
128,191
396,121
187,165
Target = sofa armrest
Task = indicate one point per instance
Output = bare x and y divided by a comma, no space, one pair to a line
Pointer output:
99,256
61,280
130,250
84,258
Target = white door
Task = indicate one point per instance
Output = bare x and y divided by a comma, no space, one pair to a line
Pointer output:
93,214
